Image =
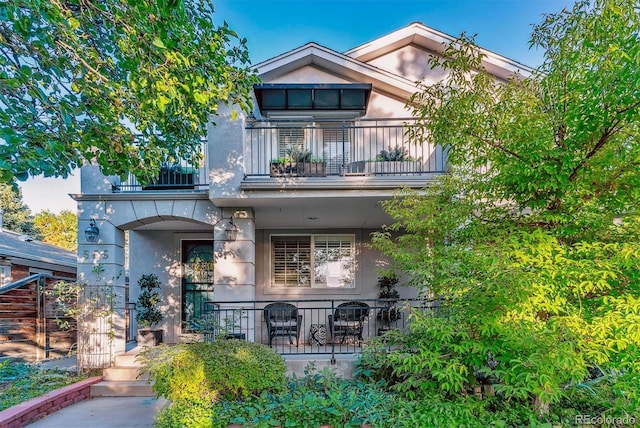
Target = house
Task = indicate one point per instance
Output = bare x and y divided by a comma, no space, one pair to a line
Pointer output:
28,328
283,205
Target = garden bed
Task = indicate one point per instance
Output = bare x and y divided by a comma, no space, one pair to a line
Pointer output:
39,407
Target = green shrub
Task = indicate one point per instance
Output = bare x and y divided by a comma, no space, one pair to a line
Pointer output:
207,372
318,399
185,414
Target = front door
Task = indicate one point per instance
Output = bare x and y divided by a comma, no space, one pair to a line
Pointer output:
197,279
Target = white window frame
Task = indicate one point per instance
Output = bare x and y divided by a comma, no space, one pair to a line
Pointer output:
335,271
5,274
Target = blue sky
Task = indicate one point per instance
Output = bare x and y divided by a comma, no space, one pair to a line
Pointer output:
276,26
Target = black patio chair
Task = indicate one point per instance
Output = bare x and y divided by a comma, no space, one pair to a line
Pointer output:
348,320
283,320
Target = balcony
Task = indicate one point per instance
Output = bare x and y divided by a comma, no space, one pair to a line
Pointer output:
173,176
330,148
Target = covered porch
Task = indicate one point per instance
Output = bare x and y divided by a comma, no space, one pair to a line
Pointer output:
323,328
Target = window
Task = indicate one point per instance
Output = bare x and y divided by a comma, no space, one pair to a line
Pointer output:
290,140
5,274
291,261
316,261
336,138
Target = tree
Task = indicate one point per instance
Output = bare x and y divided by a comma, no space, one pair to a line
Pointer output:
16,215
532,240
58,229
124,84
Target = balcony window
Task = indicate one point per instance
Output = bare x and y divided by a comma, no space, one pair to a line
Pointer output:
287,97
313,261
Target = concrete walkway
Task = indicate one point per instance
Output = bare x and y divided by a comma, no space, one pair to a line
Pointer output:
105,412
100,412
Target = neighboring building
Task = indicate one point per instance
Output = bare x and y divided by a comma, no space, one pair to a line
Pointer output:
299,180
28,328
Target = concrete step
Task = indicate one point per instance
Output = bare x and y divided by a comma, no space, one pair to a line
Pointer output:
120,373
127,360
137,388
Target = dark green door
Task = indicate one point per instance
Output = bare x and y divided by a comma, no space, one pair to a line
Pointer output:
197,280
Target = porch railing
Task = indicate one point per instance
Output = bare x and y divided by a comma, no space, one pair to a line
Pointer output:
130,311
328,147
247,321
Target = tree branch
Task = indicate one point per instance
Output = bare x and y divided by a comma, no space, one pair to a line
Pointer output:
86,64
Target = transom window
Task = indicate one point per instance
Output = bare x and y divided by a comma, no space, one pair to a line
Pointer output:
315,261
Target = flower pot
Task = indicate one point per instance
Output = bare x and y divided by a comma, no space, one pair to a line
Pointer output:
149,337
315,169
284,169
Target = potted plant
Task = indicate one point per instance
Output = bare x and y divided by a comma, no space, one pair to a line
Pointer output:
148,311
298,162
388,296
392,161
280,166
316,167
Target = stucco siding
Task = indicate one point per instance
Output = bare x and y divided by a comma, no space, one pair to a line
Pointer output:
310,74
410,62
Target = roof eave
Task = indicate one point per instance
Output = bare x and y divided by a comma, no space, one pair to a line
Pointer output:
320,56
434,40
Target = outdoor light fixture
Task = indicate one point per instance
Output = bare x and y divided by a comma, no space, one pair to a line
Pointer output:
92,232
231,232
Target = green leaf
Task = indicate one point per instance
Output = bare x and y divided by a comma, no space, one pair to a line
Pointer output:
158,43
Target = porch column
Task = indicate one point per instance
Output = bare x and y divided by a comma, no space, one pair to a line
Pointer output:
101,273
234,268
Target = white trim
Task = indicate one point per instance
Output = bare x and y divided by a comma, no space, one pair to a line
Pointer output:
314,54
434,40
351,237
5,274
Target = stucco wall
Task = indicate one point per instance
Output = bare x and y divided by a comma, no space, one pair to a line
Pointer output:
411,62
161,250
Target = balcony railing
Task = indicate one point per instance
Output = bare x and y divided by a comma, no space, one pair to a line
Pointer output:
317,327
318,148
179,175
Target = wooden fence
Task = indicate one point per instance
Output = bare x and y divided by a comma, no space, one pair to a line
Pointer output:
29,320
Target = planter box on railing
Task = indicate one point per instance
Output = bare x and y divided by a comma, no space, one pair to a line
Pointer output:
298,169
385,167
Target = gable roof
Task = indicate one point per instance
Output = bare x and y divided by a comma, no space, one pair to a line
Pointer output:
419,34
16,246
354,62
332,61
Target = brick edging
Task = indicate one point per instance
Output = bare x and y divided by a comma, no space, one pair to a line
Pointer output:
39,407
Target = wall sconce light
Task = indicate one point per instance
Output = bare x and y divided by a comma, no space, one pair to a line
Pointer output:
231,232
92,232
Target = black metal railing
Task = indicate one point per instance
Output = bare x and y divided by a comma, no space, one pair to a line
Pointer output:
309,326
298,148
179,175
129,317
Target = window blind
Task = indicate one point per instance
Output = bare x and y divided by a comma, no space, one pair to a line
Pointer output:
291,264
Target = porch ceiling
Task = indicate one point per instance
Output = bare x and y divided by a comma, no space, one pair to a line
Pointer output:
319,213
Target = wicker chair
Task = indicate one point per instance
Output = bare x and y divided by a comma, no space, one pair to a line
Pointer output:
348,320
283,320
